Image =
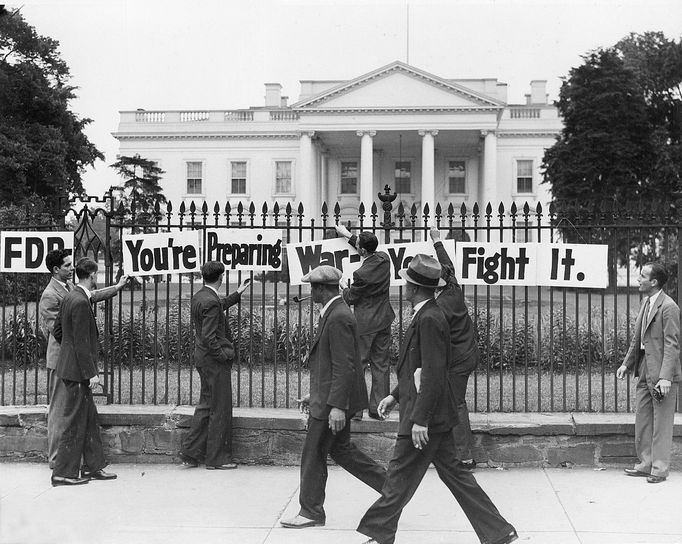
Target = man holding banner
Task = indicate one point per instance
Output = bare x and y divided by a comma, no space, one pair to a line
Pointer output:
369,296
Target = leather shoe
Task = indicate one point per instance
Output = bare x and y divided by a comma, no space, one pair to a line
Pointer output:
469,465
300,522
653,479
61,480
188,461
635,472
99,475
506,539
224,466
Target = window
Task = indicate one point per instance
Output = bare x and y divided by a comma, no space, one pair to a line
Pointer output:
282,177
456,177
403,177
524,176
238,177
194,177
349,178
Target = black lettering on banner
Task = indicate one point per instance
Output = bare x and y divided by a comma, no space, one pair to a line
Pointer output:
134,249
309,257
396,260
34,252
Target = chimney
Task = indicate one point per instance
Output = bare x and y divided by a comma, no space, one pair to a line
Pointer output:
283,102
538,91
273,92
527,99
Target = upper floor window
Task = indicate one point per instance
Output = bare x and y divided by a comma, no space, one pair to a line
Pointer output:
282,177
194,177
403,177
349,178
456,177
524,176
238,177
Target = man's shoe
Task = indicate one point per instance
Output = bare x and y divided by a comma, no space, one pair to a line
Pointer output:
506,539
188,462
635,472
60,480
99,475
469,465
300,522
224,466
653,479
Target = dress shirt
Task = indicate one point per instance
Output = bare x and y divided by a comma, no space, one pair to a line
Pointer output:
324,308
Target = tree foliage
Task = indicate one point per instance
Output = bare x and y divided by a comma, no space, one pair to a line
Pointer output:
43,150
140,189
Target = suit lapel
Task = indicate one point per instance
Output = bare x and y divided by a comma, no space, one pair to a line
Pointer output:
652,314
323,320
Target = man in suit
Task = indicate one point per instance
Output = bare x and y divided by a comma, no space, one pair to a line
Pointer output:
337,391
60,265
428,411
654,354
463,348
210,436
77,370
369,296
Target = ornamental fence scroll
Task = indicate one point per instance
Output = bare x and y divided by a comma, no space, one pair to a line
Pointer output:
543,349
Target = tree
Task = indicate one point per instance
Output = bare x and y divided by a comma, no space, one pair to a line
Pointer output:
141,183
43,150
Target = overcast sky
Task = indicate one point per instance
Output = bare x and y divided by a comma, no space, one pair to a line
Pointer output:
128,54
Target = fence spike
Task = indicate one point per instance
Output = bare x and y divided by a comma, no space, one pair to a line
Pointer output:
216,208
488,210
374,209
513,210
337,210
500,209
288,209
300,210
426,210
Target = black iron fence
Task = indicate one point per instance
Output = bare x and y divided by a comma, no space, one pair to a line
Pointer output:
544,349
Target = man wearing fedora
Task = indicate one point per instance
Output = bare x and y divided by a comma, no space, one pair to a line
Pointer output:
428,412
337,391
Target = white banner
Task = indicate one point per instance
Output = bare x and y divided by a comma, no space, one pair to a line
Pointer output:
161,253
26,251
245,249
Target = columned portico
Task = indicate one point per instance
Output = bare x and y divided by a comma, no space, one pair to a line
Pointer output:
428,167
489,169
366,167
306,184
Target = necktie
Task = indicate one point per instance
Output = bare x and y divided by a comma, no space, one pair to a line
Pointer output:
645,316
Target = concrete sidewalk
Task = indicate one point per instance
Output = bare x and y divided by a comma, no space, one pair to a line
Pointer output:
151,504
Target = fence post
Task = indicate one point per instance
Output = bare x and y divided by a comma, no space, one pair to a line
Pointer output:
387,205
677,195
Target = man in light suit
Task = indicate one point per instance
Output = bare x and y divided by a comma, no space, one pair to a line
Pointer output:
369,296
77,370
60,265
210,436
654,354
337,391
428,412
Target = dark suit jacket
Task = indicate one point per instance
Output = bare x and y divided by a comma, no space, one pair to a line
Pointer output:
426,345
212,338
463,345
369,293
336,378
661,342
78,355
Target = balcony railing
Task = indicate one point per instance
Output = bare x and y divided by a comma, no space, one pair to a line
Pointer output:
193,116
150,117
283,115
524,113
238,115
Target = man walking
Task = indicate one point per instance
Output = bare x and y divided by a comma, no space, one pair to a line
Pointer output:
428,412
60,265
337,391
654,354
369,296
78,372
210,436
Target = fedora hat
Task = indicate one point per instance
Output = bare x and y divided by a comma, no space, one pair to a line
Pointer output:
323,274
423,270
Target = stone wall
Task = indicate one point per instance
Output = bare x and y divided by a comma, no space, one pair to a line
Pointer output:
153,434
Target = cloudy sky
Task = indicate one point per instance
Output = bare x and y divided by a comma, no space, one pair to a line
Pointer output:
128,54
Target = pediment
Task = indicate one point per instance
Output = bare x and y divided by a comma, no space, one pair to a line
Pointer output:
397,87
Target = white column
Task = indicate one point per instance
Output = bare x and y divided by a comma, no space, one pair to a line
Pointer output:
366,168
428,168
305,184
489,193
324,179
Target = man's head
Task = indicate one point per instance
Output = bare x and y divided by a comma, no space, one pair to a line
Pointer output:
86,272
367,243
652,278
324,283
423,276
60,264
212,272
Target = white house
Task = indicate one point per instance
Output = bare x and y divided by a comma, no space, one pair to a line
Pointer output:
430,139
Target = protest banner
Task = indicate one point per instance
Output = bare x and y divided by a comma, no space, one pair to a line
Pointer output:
22,251
161,253
245,249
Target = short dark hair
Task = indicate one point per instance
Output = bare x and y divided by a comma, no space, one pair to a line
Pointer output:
85,267
367,240
658,273
212,270
56,258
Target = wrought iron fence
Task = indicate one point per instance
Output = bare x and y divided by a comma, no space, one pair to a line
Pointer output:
544,349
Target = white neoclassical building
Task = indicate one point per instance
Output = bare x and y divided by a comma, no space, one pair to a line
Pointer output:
430,139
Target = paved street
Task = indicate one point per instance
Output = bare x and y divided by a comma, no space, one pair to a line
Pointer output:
151,504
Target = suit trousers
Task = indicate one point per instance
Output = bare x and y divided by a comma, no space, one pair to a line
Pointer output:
320,442
405,472
654,428
80,436
462,431
210,435
375,353
55,421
